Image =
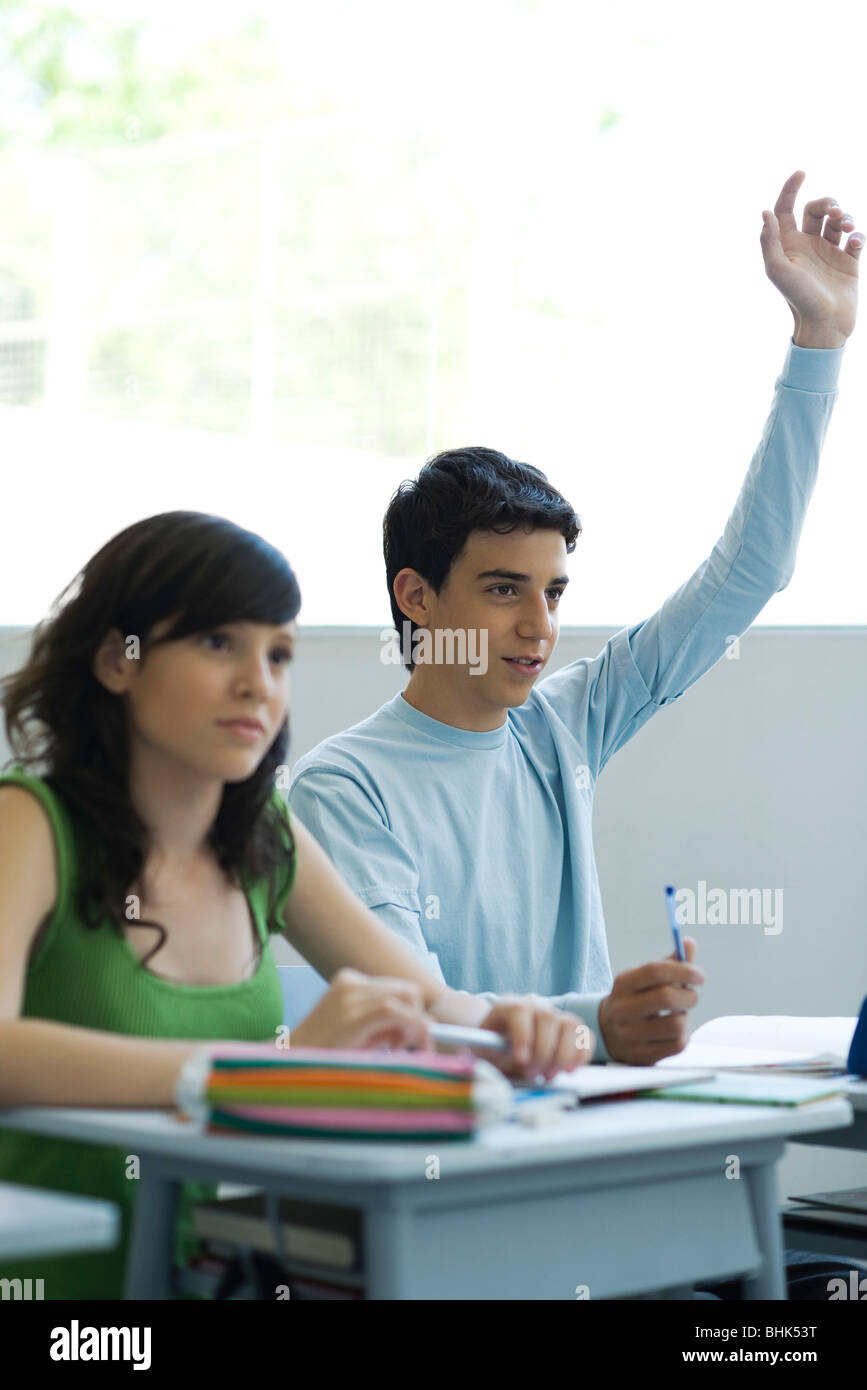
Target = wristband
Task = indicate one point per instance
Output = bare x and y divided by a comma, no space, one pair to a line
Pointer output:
190,1085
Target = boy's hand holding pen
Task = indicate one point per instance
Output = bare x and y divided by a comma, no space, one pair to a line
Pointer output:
652,985
645,1017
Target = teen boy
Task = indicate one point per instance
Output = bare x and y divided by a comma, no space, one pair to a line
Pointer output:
460,812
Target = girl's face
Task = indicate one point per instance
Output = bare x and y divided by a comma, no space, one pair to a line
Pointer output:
180,696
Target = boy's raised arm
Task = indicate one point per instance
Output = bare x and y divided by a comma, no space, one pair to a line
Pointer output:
654,662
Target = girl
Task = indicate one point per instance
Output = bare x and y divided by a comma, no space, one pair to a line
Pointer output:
142,873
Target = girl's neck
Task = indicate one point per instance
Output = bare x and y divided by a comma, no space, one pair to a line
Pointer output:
178,806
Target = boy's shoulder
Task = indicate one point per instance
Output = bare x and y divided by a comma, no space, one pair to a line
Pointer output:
352,750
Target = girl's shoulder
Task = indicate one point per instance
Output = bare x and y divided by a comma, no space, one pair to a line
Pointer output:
18,780
39,813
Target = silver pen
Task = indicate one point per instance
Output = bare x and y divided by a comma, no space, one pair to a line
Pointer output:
456,1035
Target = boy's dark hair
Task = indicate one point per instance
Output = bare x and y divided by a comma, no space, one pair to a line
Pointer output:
204,572
476,489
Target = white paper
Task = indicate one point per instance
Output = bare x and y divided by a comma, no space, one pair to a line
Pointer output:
753,1040
589,1082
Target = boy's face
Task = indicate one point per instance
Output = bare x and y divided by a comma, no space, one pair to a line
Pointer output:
508,586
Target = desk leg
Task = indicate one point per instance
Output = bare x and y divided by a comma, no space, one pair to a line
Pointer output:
387,1260
770,1281
151,1251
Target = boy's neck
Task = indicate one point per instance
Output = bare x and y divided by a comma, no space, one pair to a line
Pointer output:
450,704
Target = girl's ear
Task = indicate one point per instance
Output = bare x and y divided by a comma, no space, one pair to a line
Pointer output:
114,661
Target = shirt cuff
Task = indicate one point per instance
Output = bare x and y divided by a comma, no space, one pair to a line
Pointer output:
812,369
586,1006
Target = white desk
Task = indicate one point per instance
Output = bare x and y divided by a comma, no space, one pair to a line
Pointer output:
627,1197
34,1221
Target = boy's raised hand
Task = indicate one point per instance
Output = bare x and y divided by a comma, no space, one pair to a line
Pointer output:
818,278
645,1018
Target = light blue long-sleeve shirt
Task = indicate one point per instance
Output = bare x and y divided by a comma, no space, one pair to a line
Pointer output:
476,849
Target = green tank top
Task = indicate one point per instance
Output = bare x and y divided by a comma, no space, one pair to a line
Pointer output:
91,977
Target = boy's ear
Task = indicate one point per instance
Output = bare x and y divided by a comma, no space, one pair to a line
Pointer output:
409,591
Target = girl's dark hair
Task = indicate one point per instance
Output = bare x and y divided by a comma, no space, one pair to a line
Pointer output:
208,572
430,517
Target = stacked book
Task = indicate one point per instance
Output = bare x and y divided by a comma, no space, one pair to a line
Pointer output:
295,1249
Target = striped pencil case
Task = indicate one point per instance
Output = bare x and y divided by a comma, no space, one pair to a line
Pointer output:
319,1092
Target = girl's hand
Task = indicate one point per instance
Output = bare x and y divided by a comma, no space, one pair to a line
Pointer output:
365,1011
544,1040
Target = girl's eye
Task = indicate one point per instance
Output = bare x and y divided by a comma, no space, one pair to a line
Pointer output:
223,637
497,587
556,593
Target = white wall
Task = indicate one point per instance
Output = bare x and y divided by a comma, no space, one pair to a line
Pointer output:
756,778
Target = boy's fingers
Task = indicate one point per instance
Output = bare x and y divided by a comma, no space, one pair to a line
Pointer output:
666,972
667,998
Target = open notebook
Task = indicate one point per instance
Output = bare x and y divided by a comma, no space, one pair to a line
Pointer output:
768,1043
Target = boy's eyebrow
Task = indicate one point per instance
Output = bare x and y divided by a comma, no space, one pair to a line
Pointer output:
518,578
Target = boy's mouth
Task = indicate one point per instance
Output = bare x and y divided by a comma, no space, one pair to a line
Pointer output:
531,665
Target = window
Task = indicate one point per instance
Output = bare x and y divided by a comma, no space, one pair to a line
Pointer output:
266,264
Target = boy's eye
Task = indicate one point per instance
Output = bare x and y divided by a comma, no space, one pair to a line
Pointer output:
553,593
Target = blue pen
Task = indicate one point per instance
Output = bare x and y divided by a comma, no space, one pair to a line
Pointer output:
675,929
